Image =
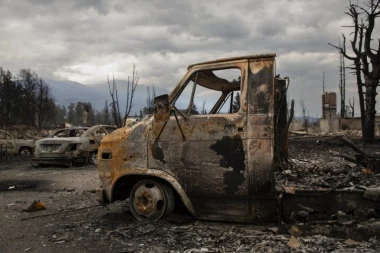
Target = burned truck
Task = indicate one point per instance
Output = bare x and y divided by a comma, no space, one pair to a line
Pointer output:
218,162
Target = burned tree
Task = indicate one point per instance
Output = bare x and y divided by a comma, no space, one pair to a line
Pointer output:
131,87
236,103
35,97
106,115
366,61
115,108
352,106
305,118
204,107
9,97
148,109
342,86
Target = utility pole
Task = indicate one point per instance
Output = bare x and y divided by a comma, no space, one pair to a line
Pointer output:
323,96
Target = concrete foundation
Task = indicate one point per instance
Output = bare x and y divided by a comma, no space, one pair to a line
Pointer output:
296,125
330,125
351,124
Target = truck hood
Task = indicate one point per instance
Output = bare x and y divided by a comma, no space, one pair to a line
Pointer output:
117,135
122,133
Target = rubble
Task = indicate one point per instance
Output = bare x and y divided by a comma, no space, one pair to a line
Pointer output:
71,222
350,242
293,242
315,167
372,193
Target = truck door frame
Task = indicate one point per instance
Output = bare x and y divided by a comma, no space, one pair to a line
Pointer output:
216,184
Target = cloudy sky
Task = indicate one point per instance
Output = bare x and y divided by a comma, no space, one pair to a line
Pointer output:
83,40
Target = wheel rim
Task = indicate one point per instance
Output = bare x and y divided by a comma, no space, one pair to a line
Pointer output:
148,201
25,152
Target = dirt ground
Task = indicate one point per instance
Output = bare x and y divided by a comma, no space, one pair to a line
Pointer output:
73,222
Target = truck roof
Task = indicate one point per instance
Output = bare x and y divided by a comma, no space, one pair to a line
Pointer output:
257,56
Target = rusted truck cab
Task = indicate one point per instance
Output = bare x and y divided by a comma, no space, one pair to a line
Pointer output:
208,146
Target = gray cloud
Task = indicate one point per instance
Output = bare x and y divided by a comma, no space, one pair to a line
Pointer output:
84,40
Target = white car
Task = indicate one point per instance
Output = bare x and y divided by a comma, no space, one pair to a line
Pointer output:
11,145
76,145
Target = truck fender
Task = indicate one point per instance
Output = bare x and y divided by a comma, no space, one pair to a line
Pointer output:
166,177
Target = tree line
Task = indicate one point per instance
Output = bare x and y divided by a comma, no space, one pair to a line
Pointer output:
26,99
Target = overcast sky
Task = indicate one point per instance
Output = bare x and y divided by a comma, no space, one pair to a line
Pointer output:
83,40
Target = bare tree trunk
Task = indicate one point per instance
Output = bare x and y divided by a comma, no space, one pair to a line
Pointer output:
342,88
131,92
115,102
369,116
352,106
131,87
353,146
360,92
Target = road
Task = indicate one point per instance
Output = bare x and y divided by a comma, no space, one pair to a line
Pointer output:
66,225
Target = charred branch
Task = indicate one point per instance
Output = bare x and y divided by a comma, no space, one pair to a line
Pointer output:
352,145
352,106
347,157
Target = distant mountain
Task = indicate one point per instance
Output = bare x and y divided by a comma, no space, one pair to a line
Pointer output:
309,119
66,92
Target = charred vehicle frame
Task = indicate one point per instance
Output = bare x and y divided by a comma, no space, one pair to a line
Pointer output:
12,145
76,145
220,165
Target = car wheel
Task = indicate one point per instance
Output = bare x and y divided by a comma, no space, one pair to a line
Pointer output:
25,152
35,165
93,157
69,163
151,200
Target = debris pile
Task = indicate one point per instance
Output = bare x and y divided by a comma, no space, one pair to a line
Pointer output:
215,237
331,163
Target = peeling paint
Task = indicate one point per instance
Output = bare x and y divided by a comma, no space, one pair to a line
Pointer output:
233,155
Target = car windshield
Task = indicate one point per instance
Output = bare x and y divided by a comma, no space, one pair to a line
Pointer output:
69,133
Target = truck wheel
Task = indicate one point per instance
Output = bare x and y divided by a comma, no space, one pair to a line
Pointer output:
151,200
25,151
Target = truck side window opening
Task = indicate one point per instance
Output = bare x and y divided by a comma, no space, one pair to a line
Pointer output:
211,92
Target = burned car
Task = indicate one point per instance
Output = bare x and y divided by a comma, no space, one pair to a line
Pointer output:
14,146
76,145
